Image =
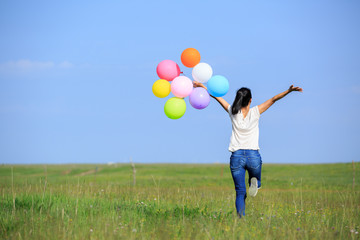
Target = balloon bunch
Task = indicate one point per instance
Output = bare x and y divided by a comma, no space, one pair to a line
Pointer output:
182,86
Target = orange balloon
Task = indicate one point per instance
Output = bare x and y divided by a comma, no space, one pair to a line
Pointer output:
190,57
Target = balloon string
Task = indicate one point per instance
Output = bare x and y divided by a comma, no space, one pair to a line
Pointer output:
183,74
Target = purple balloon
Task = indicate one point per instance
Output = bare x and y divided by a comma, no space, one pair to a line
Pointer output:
199,98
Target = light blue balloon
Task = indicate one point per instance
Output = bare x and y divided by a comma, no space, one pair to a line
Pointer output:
218,86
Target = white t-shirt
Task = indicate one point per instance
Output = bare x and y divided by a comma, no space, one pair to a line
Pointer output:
245,131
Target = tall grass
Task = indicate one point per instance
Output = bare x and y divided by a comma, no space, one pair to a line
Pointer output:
176,202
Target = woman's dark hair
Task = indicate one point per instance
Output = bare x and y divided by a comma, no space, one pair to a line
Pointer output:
242,99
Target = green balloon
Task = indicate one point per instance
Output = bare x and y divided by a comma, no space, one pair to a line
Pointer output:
175,108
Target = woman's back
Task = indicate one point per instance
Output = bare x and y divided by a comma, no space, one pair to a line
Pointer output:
245,131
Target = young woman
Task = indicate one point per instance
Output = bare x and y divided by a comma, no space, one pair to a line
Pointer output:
244,141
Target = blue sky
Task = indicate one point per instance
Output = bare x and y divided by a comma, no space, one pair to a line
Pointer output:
76,78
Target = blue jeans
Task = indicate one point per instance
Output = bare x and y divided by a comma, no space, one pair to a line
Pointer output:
240,161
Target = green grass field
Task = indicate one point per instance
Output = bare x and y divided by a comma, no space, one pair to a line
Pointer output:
174,201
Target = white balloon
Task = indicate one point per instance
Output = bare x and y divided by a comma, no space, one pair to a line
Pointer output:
202,72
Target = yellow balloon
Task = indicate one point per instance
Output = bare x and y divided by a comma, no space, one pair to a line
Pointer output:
161,88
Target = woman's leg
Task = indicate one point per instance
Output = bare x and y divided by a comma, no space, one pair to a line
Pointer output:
240,188
237,166
253,166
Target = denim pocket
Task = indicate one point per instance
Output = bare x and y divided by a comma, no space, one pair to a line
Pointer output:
236,162
254,160
253,164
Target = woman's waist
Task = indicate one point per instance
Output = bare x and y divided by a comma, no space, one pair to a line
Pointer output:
245,151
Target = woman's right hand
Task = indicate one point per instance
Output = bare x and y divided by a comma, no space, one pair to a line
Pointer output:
292,89
198,84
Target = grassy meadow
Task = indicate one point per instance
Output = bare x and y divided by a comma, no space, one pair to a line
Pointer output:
177,201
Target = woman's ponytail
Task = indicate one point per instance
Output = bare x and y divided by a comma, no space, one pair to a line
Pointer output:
242,99
236,107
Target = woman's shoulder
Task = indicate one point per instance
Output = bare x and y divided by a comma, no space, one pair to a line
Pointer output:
229,109
255,110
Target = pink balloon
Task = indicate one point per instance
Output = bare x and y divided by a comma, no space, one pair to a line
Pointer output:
181,86
168,70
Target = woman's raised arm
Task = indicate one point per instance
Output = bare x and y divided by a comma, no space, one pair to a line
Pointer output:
220,100
264,106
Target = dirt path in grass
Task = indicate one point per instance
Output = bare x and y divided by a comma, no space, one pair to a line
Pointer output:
88,172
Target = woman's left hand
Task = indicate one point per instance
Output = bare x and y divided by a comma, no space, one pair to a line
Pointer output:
198,84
